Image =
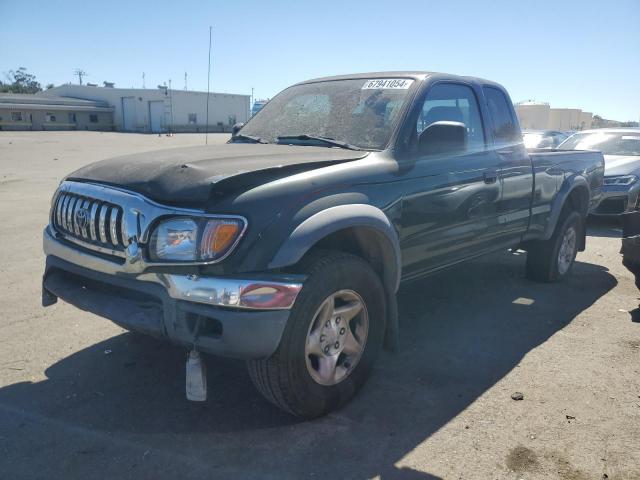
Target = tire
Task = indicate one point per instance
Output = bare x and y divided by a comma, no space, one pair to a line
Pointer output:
544,262
292,378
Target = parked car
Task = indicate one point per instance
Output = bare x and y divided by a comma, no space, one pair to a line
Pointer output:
543,138
257,106
286,246
631,243
621,149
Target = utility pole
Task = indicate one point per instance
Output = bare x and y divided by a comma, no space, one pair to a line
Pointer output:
143,86
251,105
171,105
206,130
79,73
185,81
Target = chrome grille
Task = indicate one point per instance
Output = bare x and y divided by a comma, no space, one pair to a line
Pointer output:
90,222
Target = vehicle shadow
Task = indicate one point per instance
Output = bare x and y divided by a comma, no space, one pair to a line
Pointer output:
604,227
461,332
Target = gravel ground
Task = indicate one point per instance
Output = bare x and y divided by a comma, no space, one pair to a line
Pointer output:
81,398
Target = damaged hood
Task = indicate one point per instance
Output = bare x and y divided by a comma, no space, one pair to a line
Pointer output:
190,176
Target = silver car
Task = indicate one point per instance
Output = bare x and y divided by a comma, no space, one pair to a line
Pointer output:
543,138
621,150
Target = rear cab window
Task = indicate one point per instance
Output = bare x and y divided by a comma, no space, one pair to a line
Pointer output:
505,128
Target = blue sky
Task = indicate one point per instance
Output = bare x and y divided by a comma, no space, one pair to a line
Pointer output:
580,54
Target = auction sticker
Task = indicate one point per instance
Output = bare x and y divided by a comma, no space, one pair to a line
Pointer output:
387,83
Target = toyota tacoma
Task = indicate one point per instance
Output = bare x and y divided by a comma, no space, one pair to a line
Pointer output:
287,245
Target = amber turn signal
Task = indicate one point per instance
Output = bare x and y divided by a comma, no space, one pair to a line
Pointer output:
219,237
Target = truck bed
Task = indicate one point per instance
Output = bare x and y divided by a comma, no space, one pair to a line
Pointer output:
554,170
547,163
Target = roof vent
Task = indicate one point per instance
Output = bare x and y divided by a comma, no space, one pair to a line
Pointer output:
108,84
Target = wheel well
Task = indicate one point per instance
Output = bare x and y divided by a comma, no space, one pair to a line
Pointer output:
367,243
578,200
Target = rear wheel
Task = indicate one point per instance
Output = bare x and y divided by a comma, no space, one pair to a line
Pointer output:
331,341
552,260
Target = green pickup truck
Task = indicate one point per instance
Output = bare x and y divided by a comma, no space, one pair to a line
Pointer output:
286,247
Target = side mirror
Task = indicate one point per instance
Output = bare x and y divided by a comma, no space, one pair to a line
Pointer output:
236,128
443,137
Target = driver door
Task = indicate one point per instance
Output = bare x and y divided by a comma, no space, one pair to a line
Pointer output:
450,207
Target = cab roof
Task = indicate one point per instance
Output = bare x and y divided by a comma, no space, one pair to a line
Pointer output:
416,75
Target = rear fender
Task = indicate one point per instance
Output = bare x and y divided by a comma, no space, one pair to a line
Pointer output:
575,186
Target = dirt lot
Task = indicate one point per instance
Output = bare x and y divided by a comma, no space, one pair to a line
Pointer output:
81,398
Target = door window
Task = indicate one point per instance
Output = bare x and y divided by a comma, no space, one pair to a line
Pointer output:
453,103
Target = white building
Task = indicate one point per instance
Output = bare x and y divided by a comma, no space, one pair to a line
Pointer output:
586,120
163,110
50,112
533,115
540,116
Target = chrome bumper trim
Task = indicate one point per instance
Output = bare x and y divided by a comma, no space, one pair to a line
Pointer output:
241,293
231,292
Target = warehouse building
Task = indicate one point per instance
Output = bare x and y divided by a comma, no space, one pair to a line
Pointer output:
163,110
540,116
51,112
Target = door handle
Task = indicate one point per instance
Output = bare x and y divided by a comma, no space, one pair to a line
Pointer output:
490,176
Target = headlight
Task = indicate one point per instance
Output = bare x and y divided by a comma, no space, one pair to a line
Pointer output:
186,239
621,180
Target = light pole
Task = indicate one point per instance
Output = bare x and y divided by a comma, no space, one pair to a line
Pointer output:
206,130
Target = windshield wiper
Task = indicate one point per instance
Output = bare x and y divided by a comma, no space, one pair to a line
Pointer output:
325,140
250,138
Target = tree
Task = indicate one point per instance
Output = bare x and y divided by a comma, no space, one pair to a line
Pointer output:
20,81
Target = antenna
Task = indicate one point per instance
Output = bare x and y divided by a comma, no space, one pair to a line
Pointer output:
143,80
185,81
206,130
79,73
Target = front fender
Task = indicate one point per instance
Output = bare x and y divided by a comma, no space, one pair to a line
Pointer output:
337,218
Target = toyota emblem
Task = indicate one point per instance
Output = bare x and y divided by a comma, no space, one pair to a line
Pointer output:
82,218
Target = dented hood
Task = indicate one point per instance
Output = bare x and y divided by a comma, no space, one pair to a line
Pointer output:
190,176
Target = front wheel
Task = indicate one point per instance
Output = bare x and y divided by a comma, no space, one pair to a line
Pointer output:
331,341
552,260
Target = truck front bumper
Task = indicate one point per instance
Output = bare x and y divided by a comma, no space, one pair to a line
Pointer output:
229,316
